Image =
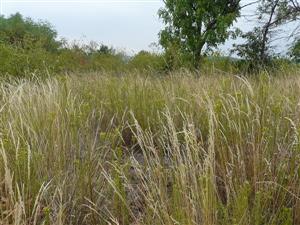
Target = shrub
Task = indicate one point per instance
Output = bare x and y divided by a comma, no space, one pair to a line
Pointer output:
148,61
27,34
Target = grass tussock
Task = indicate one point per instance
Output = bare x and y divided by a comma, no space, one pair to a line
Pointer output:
98,149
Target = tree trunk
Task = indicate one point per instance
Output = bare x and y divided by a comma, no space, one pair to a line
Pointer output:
198,59
266,29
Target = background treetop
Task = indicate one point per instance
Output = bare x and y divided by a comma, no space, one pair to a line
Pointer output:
25,33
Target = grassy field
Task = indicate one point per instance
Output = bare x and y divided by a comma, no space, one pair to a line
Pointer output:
99,149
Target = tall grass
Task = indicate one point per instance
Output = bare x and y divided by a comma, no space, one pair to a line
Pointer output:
133,149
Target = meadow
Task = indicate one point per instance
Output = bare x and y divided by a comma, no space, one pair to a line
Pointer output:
101,148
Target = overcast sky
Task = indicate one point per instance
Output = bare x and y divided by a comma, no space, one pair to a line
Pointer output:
130,25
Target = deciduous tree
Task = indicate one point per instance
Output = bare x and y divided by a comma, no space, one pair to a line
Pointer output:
194,26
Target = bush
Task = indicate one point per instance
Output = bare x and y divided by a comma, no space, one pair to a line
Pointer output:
27,34
19,62
145,60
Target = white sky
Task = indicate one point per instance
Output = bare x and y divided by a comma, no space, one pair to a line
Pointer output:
130,25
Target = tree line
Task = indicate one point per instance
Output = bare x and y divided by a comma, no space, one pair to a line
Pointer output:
194,29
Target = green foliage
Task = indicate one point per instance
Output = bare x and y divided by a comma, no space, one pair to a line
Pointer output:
218,64
27,34
193,25
295,51
20,62
28,48
147,61
258,49
252,49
